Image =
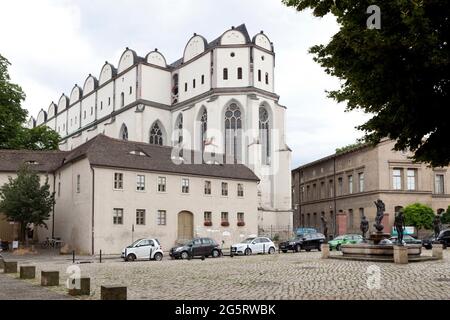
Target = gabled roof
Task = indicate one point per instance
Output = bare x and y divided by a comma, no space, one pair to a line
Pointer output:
216,42
41,161
104,151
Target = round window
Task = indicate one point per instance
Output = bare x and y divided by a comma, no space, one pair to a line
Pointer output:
262,58
232,54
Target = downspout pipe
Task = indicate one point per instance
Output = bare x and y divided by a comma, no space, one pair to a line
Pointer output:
93,210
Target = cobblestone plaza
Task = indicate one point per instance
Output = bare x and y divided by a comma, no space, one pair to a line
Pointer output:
280,276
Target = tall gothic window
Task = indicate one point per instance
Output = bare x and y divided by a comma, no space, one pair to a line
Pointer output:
156,135
264,135
179,129
203,128
123,133
233,132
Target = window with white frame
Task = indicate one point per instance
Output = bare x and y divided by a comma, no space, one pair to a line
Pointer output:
140,182
224,189
411,179
118,181
207,216
118,216
78,183
161,184
140,217
208,187
224,216
185,185
361,181
162,218
350,184
397,179
439,184
240,190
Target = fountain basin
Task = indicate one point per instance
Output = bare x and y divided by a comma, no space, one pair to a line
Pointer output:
378,253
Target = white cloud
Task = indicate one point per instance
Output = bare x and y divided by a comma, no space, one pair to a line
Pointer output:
55,44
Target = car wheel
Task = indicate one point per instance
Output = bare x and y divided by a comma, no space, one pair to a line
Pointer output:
284,251
248,251
184,255
271,250
298,248
158,256
215,253
308,250
131,257
319,248
338,247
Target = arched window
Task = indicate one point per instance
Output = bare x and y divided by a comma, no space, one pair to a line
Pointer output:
264,135
123,133
122,99
239,73
225,74
179,129
203,128
233,132
267,78
156,135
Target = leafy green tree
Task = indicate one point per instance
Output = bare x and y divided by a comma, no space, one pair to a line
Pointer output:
26,201
419,216
38,138
13,133
446,216
398,73
12,116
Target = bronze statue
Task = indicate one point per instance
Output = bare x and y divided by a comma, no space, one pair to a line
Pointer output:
399,224
437,225
364,226
380,214
324,227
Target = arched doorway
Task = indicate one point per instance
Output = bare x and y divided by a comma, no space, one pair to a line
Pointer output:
185,226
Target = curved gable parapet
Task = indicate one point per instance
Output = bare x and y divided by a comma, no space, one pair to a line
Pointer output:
156,58
41,118
90,84
76,94
261,40
195,46
128,58
31,123
107,73
233,36
63,102
52,110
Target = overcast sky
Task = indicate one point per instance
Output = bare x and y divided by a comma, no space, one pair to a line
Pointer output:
53,45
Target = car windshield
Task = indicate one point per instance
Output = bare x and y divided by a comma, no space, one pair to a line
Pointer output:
249,240
339,238
136,242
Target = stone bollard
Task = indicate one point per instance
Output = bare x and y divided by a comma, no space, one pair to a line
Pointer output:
325,248
437,251
113,293
400,254
10,267
27,272
49,278
84,288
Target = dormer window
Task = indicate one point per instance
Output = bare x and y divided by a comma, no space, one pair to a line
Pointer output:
138,153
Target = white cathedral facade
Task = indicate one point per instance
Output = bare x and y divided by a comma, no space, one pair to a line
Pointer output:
218,98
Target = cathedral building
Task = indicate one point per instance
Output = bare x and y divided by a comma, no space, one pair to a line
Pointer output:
218,100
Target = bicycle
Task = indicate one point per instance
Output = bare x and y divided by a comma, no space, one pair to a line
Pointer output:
51,243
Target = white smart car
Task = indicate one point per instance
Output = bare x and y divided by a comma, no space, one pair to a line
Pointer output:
143,249
253,245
